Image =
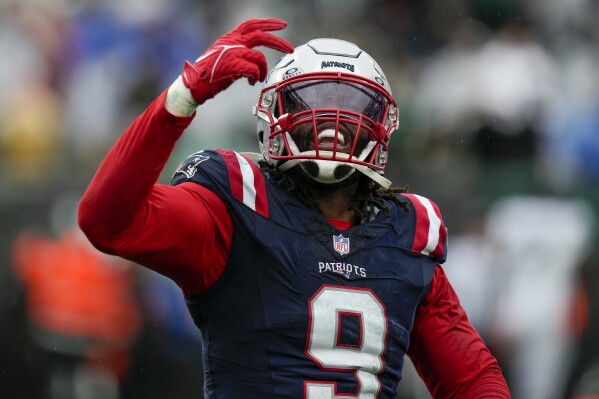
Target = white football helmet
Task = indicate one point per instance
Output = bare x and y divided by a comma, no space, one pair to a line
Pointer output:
327,107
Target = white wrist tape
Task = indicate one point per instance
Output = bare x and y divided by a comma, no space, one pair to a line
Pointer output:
179,101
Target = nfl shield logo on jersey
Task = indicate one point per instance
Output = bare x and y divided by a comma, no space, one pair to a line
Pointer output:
341,244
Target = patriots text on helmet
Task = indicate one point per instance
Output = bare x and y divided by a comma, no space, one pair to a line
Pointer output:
335,64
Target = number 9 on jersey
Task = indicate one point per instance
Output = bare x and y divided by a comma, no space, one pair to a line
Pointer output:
326,309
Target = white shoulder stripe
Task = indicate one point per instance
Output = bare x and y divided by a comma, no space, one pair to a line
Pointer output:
434,225
247,175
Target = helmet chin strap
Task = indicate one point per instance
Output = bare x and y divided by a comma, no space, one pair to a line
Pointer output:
327,171
326,168
331,165
325,165
385,183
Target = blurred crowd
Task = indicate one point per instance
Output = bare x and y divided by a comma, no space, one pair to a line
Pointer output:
499,124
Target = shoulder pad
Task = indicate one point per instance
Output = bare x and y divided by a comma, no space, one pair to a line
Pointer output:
430,233
229,174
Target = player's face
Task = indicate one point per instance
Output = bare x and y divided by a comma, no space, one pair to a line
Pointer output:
331,115
329,136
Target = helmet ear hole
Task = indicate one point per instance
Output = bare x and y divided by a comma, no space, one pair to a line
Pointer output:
261,136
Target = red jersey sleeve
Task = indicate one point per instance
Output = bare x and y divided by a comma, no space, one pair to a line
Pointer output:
448,353
182,232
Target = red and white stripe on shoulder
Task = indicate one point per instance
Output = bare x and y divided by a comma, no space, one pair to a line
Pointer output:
430,232
246,180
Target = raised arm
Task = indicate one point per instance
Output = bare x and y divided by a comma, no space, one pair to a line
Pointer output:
177,231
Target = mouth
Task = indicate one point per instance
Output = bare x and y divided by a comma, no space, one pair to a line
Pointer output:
331,140
331,137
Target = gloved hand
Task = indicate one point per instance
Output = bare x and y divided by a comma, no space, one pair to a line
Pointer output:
232,56
229,58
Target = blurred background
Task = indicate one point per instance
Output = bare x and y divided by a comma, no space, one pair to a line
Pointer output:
499,125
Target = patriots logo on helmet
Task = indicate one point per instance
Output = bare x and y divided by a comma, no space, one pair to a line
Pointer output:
335,64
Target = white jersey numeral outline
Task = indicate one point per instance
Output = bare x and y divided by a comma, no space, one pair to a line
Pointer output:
366,360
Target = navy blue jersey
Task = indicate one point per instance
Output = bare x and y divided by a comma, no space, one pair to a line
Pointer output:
304,310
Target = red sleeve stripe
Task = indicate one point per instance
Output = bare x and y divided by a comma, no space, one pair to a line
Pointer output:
247,183
428,225
235,178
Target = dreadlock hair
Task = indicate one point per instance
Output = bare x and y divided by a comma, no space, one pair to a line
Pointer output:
368,195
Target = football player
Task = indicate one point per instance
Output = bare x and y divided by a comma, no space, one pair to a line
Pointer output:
307,275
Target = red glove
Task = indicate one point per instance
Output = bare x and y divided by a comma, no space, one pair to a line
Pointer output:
232,56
